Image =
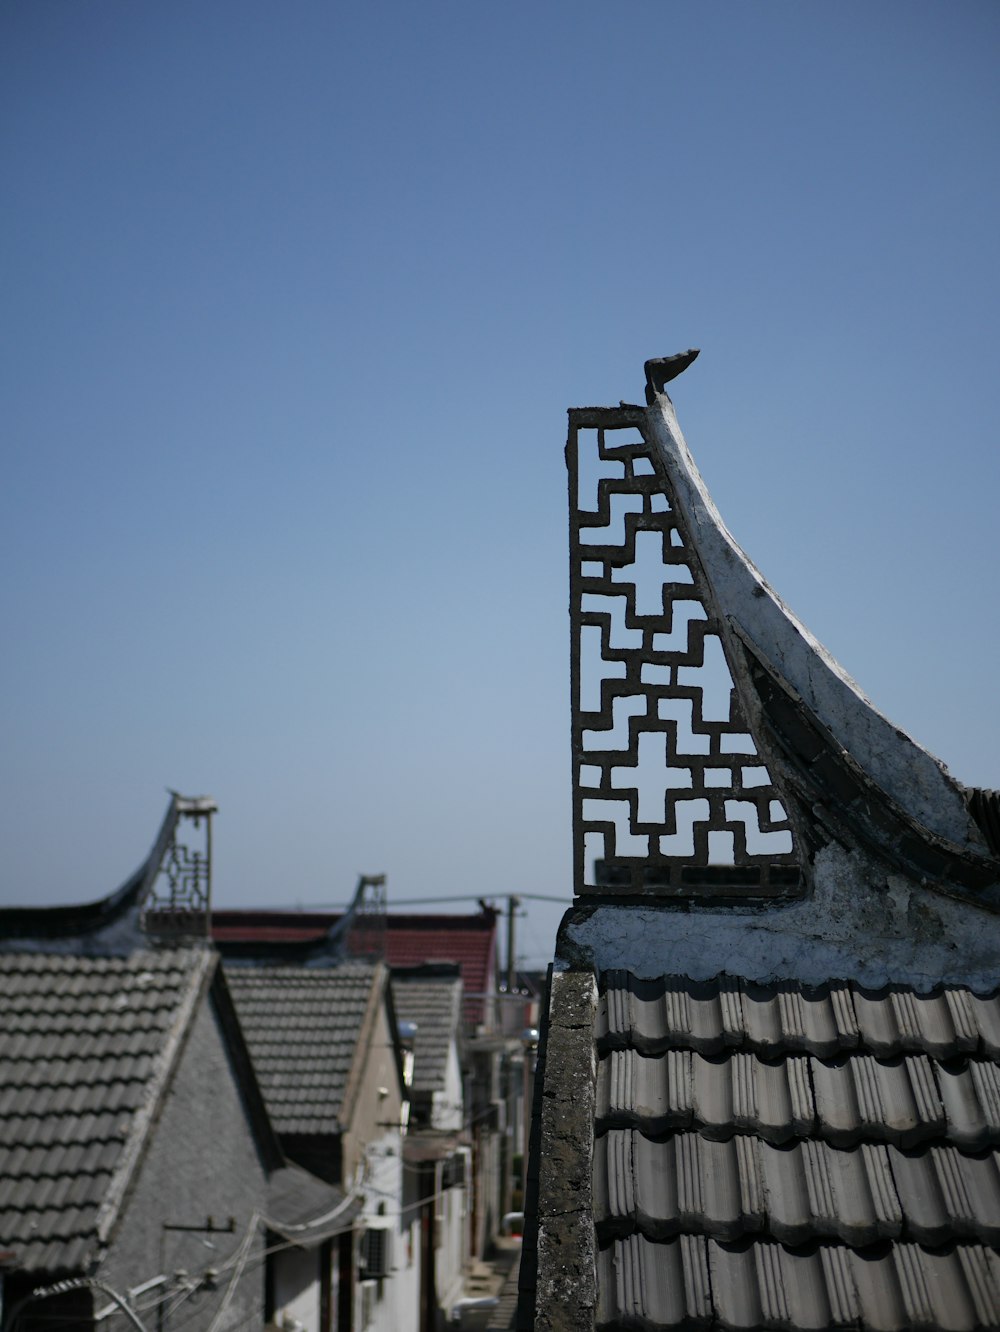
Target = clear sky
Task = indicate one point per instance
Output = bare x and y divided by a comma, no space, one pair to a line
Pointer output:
295,297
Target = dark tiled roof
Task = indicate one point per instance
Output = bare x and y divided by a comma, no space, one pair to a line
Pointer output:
84,1045
434,1004
302,1025
778,1156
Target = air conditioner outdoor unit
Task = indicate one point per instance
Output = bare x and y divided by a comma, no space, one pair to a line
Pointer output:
375,1259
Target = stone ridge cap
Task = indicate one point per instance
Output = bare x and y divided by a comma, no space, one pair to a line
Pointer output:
861,921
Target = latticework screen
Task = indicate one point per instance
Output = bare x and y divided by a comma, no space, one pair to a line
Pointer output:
669,790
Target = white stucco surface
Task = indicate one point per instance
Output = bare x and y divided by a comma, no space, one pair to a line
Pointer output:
859,924
395,1306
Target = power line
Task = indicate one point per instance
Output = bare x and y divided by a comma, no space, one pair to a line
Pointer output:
75,1283
433,901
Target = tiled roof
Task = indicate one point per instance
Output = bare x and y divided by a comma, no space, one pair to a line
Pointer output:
411,939
272,927
84,1044
433,1003
301,1025
469,941
779,1156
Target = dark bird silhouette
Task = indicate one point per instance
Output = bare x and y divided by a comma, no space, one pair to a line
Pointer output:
661,369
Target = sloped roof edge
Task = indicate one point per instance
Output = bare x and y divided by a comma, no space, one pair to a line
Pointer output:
145,1118
107,924
912,777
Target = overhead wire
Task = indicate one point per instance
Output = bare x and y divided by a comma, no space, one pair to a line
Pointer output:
64,1288
433,901
238,1258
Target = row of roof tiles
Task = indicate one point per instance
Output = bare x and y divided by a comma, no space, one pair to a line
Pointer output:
48,1071
31,1130
61,1193
139,1009
709,1016
102,970
796,1193
31,1164
694,1281
905,1101
83,1098
99,1043
61,1254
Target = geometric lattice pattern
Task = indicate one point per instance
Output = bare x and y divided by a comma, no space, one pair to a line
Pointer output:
179,900
669,790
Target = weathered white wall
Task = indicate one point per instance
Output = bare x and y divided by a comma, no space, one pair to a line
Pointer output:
452,1230
447,1107
378,1099
394,1302
202,1161
860,924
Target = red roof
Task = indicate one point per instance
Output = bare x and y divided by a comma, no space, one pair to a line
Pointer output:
268,927
411,939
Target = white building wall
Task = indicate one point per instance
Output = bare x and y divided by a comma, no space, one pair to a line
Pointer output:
453,1235
389,1304
448,1106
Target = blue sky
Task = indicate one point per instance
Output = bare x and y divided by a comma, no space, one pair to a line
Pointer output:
295,299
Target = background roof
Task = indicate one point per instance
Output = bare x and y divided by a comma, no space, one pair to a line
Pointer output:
434,1004
410,939
302,1026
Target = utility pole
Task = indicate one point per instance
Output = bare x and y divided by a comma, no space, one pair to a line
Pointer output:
512,905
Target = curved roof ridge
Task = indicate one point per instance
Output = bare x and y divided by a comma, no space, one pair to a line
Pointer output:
765,628
110,924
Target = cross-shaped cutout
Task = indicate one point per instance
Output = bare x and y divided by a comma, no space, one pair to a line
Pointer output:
648,573
652,777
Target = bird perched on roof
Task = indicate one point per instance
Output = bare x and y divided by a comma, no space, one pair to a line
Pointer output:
661,369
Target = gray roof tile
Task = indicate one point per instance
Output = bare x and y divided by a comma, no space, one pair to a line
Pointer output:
711,1016
694,1281
74,1067
795,1193
785,1157
301,1026
904,1101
